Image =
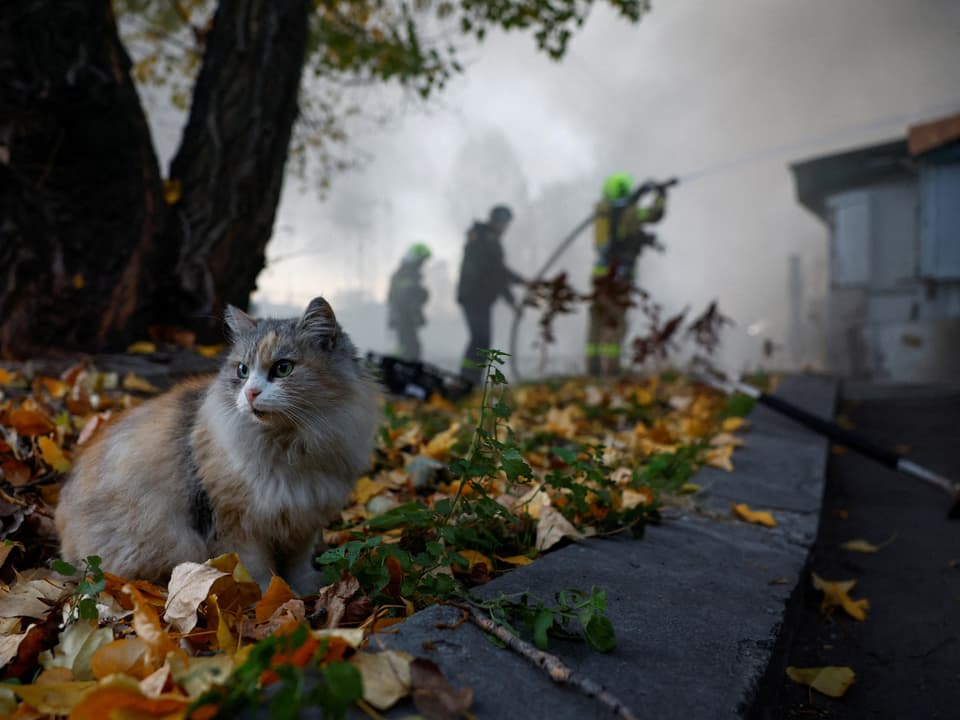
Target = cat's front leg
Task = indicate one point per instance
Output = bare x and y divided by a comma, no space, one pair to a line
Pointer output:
258,563
302,576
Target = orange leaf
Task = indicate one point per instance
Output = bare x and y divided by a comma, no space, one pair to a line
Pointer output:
29,421
120,700
56,388
146,623
277,594
127,656
8,377
16,472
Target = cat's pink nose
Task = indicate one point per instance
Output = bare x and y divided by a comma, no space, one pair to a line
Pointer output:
251,394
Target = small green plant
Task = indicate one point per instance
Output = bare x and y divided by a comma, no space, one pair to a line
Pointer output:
575,614
90,586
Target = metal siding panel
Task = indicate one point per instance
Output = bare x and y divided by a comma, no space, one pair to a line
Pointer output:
940,221
850,241
894,242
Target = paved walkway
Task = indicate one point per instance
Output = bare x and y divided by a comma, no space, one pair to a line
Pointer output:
697,604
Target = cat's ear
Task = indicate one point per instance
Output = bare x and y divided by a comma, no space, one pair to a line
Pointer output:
319,324
238,321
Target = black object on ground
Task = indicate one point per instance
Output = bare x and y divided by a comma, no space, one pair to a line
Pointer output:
416,379
863,444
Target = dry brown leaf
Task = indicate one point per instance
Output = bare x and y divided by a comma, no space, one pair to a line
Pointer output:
333,598
10,644
552,527
386,676
32,597
190,585
433,695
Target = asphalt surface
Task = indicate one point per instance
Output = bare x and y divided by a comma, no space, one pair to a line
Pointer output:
906,654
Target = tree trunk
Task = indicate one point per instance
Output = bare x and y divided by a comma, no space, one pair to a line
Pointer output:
81,203
231,162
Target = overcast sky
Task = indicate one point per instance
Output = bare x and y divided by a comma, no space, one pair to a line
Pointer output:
723,94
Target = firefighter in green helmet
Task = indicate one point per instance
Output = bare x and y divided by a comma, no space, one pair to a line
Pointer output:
619,237
405,301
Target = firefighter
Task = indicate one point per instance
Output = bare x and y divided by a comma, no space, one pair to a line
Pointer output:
619,237
483,278
405,301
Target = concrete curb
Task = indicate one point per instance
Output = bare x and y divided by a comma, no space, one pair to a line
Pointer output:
697,604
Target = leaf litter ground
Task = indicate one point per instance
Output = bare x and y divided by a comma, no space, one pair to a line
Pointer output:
456,495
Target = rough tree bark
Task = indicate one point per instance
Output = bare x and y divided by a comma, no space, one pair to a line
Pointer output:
80,189
232,158
90,254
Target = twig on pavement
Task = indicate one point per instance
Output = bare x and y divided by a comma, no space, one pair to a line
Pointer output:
554,667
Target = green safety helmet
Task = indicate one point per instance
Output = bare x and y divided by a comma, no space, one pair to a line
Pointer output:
418,251
617,186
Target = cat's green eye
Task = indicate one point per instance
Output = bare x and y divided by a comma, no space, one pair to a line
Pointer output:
242,371
282,368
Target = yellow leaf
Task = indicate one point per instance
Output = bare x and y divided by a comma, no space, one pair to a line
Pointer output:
689,488
760,517
135,383
831,680
517,560
53,455
858,545
475,558
209,351
54,698
172,190
836,594
439,446
642,396
719,457
732,424
367,488
78,282
144,347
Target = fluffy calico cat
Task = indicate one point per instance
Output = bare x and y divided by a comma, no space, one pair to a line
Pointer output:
256,460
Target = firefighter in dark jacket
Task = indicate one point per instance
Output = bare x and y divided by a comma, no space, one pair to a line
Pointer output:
405,301
619,237
483,278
